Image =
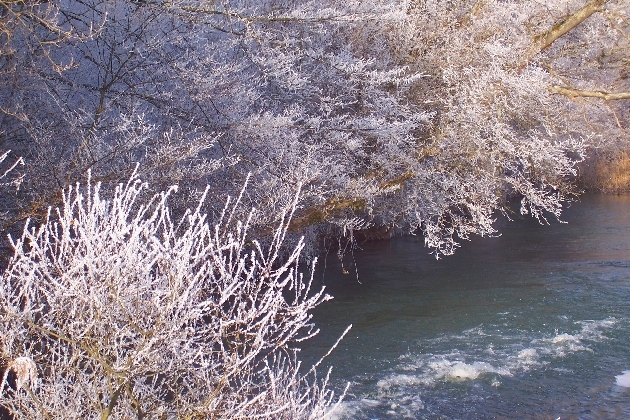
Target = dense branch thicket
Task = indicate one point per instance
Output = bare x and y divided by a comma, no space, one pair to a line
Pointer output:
110,309
409,115
421,115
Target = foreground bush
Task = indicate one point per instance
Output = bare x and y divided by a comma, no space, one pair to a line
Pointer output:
110,309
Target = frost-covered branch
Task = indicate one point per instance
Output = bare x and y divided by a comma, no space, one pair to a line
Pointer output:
573,93
547,38
15,164
126,313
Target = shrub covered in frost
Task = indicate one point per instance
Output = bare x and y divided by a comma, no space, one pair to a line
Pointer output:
111,309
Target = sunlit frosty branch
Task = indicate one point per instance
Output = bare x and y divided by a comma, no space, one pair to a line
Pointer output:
114,310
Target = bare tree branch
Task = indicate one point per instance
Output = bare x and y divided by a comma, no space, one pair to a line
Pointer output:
545,39
573,93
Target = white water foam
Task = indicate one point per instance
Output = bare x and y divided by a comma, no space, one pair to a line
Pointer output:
404,408
563,344
478,359
344,410
477,354
623,379
459,371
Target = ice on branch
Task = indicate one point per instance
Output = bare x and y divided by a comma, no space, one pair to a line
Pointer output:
112,309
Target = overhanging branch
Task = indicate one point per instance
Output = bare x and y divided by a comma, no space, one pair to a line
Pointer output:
574,93
544,40
334,206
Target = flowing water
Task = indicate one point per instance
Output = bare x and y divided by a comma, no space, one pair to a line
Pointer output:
532,324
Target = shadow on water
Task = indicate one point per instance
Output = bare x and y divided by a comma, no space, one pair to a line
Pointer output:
532,323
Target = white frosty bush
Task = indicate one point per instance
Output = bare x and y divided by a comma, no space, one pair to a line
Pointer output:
125,313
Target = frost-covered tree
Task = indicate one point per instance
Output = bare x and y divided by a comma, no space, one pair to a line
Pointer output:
404,115
589,66
421,116
502,127
111,309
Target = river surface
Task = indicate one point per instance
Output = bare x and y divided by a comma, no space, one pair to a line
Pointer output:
532,324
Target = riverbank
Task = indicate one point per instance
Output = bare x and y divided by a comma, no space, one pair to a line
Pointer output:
607,171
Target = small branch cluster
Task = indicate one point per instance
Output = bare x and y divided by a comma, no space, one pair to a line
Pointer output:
5,172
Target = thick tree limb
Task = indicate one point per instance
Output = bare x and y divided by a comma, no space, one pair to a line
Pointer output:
573,93
334,206
545,40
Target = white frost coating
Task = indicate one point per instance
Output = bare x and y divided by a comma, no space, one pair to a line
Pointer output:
25,372
122,310
409,115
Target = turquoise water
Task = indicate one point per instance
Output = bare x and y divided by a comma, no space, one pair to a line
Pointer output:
532,324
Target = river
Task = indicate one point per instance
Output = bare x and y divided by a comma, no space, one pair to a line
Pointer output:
534,323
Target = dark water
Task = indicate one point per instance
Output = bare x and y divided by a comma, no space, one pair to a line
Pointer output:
532,324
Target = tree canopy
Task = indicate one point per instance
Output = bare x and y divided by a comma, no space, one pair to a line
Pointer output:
407,115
